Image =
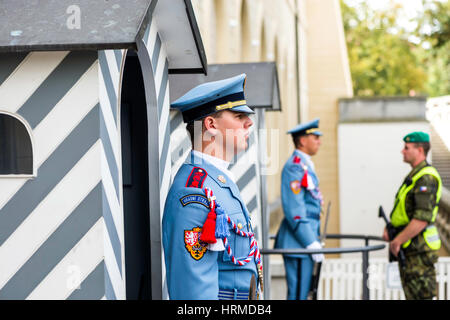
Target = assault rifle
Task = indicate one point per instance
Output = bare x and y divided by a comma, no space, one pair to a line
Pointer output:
392,232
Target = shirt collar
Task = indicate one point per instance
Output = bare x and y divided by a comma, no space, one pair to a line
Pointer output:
307,158
220,164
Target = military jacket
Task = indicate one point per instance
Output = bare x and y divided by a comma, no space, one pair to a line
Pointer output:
194,271
301,201
419,204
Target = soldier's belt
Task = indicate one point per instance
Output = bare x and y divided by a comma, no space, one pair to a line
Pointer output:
313,215
225,294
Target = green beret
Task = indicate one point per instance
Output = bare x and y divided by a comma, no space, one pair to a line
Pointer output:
417,136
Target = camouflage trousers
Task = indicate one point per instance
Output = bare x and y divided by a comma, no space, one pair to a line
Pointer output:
419,276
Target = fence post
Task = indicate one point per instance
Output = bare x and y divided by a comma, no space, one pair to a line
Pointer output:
365,267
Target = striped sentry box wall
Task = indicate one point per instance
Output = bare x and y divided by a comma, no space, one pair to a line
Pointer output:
155,69
111,64
60,231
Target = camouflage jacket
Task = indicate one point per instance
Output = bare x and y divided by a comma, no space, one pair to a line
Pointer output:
419,204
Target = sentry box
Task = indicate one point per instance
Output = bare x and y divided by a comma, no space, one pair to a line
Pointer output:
84,143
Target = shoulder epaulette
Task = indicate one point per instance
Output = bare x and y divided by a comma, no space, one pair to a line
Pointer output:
196,178
298,160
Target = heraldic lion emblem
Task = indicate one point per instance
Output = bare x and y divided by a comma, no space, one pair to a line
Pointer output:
194,245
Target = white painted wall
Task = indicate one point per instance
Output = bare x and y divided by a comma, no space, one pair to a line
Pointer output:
371,169
438,113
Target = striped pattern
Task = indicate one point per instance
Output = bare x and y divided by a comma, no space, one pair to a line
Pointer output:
59,232
160,69
233,295
62,232
155,66
109,75
180,142
254,251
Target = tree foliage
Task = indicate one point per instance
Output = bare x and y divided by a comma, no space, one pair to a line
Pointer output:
435,23
384,61
434,32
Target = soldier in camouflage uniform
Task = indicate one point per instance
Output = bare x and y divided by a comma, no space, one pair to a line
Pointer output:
413,215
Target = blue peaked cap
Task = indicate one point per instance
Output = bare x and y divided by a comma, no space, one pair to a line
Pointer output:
211,97
310,127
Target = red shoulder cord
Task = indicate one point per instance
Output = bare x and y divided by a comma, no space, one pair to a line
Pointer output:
209,227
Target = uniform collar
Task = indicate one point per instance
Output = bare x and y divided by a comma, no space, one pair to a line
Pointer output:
306,157
222,165
220,176
419,167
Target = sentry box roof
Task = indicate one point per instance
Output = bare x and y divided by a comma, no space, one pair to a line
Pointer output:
261,86
46,25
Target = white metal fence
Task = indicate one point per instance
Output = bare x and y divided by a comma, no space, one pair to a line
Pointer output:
341,279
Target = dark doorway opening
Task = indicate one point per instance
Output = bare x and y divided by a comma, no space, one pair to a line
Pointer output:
134,134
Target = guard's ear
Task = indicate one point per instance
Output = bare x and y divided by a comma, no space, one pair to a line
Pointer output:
210,124
300,140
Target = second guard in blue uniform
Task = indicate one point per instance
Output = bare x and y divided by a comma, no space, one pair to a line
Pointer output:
209,247
302,202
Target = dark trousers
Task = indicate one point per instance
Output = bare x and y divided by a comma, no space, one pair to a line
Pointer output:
298,277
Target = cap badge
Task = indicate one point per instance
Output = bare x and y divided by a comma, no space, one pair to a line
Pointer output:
231,104
312,130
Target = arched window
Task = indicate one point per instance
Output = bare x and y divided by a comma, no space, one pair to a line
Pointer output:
16,154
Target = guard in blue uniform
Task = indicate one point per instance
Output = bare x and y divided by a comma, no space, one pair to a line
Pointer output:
302,202
209,246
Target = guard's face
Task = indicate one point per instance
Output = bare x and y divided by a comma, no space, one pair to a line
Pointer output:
233,131
410,153
311,144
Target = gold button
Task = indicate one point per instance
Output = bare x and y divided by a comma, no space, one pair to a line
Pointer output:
240,225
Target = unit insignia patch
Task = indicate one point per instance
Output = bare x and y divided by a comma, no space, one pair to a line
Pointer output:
193,244
295,186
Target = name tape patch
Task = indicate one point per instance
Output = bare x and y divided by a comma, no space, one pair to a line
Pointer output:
194,198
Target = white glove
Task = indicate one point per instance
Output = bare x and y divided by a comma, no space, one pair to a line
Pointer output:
317,257
218,246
